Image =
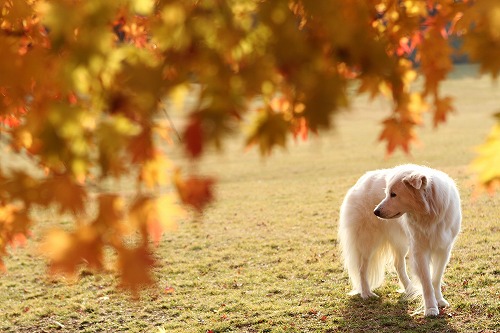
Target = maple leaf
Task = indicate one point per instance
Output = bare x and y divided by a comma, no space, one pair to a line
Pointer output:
14,228
134,266
487,161
410,108
113,134
443,106
110,216
269,129
397,133
154,171
64,191
67,251
141,146
193,137
21,186
300,128
194,191
152,216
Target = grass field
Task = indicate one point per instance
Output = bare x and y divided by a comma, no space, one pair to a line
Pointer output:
265,258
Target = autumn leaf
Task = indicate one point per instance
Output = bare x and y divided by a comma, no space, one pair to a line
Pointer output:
110,217
63,191
21,186
153,172
193,137
300,128
141,146
68,251
153,216
194,191
487,161
268,129
14,228
113,134
397,134
134,266
443,106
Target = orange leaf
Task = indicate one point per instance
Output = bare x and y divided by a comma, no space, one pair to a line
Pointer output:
141,146
397,133
110,214
300,128
61,189
443,108
135,267
68,251
14,224
195,191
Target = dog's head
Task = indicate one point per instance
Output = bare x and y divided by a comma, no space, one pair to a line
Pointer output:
405,192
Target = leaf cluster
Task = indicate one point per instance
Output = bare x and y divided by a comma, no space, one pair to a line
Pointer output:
86,87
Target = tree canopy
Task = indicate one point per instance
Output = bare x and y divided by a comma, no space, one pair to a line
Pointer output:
85,87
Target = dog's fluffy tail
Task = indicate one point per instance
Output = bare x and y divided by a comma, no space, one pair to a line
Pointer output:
354,250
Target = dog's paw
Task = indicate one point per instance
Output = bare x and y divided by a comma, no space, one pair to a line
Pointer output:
442,303
368,294
412,291
431,312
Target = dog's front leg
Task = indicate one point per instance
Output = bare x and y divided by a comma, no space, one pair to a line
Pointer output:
421,262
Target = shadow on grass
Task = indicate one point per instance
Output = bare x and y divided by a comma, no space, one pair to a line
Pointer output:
377,315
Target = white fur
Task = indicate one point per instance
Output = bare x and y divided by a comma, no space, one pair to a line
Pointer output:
418,208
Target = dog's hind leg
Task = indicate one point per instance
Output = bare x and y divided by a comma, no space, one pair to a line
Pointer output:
400,251
363,275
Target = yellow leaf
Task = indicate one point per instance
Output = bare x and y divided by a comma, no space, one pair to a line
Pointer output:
178,97
154,172
168,211
487,162
143,7
153,216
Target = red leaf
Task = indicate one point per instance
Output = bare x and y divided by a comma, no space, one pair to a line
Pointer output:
193,137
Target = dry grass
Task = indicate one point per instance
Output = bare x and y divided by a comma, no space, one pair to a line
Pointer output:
265,257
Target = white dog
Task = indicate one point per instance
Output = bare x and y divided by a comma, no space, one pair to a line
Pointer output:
421,211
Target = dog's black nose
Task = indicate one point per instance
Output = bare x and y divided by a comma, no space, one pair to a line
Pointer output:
377,212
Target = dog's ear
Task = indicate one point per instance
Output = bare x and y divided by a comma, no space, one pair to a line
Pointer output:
416,180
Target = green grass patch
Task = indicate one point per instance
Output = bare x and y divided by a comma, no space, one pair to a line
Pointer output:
265,258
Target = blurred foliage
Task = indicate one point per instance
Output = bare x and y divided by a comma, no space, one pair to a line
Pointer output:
85,85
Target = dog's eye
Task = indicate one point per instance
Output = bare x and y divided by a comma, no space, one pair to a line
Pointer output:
393,194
